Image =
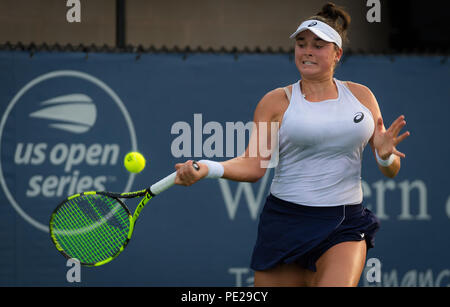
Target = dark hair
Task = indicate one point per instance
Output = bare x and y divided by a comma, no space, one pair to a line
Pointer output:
336,17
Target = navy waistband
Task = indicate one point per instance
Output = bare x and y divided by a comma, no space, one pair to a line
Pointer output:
331,211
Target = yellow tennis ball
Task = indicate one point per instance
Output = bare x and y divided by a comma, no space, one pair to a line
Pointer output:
134,162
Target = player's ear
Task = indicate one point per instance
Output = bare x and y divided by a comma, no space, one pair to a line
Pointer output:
338,54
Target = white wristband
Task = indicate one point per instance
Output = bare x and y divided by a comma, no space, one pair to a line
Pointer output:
215,169
386,162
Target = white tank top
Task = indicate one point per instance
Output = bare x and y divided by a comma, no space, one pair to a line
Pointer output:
320,150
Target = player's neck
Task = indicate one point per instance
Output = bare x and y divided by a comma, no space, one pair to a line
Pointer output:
318,89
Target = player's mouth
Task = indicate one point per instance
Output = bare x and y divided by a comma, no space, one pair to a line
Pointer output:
308,63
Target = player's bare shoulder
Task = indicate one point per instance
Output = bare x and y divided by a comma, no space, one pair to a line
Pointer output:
272,106
365,96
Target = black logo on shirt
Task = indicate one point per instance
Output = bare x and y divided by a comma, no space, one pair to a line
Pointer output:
312,24
358,117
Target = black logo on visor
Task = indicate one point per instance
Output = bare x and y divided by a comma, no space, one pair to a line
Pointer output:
312,24
358,117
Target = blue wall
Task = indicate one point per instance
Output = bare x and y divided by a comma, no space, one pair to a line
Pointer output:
202,235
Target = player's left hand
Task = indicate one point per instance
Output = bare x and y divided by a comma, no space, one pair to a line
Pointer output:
386,140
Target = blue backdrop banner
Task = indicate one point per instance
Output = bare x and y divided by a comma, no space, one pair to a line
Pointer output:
68,120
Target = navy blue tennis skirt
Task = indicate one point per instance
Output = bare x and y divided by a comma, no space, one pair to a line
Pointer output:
289,232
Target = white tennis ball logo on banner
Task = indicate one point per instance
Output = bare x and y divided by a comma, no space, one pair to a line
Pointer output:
77,112
64,145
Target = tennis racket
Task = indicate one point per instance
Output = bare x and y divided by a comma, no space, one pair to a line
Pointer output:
94,227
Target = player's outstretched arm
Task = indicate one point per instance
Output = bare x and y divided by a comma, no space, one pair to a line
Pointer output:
252,164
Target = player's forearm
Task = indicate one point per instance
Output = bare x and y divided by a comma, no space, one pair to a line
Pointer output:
243,169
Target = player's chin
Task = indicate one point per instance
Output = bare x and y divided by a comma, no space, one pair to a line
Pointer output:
309,68
313,72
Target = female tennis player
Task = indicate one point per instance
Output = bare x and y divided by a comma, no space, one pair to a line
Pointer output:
313,229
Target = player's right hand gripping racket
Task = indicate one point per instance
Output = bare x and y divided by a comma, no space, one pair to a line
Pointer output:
94,227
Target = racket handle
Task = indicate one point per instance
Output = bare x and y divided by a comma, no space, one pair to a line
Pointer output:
167,182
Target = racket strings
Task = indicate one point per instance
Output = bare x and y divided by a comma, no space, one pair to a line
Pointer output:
73,239
91,239
91,228
96,240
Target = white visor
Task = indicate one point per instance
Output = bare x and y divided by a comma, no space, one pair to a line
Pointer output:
320,29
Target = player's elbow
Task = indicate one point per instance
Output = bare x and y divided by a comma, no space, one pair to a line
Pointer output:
254,179
258,174
251,169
